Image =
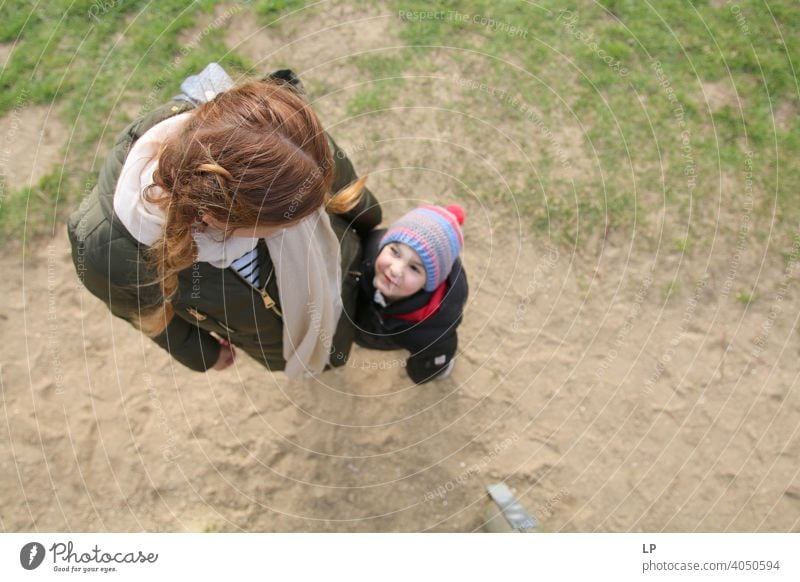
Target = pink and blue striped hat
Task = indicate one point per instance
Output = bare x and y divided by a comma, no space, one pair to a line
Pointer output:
434,232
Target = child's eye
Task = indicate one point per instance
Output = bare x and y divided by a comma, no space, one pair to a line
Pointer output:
394,251
416,269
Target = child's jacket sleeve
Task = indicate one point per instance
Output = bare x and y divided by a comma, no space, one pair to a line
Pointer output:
433,343
429,363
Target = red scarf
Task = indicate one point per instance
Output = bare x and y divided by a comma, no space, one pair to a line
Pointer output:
426,311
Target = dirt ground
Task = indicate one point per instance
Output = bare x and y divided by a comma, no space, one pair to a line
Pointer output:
608,396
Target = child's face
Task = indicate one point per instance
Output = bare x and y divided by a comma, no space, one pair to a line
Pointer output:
398,271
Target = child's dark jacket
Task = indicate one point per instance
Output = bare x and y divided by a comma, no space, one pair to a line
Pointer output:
433,341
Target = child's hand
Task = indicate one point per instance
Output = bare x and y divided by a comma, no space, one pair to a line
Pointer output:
227,354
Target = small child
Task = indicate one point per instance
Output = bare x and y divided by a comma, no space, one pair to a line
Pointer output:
413,290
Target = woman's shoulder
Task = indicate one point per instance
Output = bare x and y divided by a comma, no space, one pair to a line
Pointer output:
149,119
372,244
100,245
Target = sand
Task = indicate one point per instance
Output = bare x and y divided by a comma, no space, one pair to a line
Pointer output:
607,396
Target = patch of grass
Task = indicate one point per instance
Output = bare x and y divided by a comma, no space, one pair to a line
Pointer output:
32,210
654,116
211,527
564,59
374,96
381,66
790,252
574,208
16,17
270,10
744,297
86,58
671,290
386,71
682,245
585,286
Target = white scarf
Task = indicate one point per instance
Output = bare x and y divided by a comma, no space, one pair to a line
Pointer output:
305,255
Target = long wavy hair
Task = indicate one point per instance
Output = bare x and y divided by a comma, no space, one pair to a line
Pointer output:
254,156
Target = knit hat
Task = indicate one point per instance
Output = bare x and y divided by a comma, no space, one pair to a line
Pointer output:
434,232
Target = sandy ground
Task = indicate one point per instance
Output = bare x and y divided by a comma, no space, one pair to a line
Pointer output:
32,143
604,401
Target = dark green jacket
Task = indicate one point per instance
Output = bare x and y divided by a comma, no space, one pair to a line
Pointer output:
110,263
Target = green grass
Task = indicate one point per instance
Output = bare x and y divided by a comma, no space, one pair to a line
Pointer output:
671,290
744,297
32,208
682,245
86,61
269,10
373,97
384,75
383,65
632,143
694,43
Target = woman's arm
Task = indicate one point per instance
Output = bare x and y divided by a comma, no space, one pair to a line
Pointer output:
367,213
193,347
109,269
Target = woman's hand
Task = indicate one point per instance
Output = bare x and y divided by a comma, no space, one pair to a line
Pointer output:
227,354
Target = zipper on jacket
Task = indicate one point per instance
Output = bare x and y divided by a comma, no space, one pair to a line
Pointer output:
269,302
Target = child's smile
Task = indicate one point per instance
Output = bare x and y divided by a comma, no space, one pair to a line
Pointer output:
398,271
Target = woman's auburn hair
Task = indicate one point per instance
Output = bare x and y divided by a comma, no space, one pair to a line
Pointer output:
255,155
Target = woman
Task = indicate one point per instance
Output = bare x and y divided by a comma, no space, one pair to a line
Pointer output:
233,223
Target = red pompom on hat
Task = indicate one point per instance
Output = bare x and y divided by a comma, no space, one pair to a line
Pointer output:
456,211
